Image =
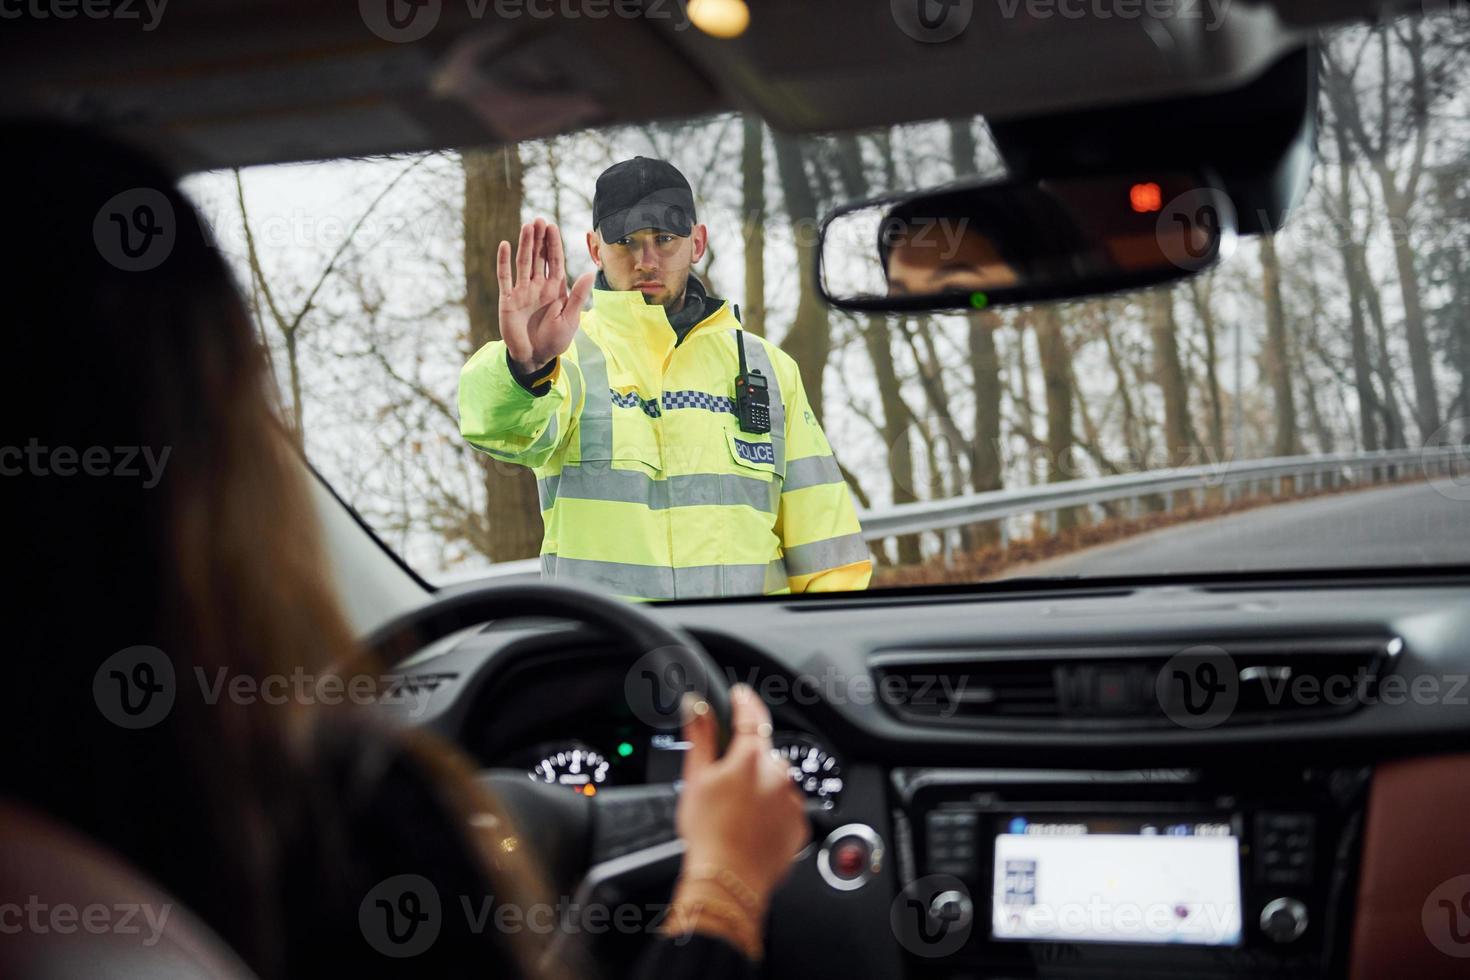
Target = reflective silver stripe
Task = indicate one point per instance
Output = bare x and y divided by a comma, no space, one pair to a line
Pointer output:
546,490
757,360
497,453
811,471
546,439
574,379
660,582
595,422
804,559
776,576
597,480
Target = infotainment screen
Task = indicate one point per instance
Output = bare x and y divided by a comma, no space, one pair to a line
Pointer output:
1116,880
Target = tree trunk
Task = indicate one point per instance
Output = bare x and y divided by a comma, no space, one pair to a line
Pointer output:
1278,366
1368,408
933,366
753,225
809,341
1092,440
1395,129
1130,422
1169,375
1299,339
1028,410
492,213
1201,295
986,472
937,400
1399,202
1056,372
1421,358
879,342
985,459
1393,416
1460,331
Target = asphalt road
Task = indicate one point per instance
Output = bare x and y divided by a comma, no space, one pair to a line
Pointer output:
1401,525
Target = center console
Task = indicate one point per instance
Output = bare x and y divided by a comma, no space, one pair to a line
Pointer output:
1150,873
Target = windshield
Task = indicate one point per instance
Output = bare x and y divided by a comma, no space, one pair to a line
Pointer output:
1302,405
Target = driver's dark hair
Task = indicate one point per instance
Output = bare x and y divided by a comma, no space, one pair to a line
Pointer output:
1007,231
1030,230
219,565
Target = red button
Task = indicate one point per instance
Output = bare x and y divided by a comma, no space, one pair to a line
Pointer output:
850,858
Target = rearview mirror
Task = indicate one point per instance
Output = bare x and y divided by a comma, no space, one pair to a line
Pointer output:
975,246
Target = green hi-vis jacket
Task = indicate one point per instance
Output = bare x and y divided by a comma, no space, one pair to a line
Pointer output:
648,487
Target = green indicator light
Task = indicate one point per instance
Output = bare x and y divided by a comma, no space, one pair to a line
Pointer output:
625,749
979,300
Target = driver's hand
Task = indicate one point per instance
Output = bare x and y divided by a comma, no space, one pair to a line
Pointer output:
739,812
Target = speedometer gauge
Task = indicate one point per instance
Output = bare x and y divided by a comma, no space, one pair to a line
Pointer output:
576,767
814,770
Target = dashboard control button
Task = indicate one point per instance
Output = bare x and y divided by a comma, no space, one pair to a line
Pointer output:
849,858
1286,854
1283,920
951,842
850,855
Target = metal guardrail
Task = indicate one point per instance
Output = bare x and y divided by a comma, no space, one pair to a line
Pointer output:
1328,471
997,505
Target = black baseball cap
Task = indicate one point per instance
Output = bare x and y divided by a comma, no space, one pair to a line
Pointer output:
642,193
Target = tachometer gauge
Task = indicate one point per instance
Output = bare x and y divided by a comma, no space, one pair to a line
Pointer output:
814,770
577,767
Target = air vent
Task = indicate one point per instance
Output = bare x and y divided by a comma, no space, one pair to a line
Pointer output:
939,692
402,687
1183,685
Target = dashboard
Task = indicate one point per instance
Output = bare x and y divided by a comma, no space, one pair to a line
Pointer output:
974,764
611,749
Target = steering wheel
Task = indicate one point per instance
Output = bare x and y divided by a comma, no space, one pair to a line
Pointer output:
623,836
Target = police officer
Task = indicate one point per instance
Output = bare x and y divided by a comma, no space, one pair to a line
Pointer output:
676,455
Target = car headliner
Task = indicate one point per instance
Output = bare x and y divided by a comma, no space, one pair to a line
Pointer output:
221,83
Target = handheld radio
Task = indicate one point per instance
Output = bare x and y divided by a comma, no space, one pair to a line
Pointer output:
752,395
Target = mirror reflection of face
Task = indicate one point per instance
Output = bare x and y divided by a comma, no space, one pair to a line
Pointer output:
926,264
651,261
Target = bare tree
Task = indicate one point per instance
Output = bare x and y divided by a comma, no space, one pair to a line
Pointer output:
291,322
1200,292
986,472
809,340
1340,211
1277,361
1169,376
1056,374
1400,107
753,224
493,188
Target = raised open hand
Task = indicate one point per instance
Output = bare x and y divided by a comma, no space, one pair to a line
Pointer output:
538,313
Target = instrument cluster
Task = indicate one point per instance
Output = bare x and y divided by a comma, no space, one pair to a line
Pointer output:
588,766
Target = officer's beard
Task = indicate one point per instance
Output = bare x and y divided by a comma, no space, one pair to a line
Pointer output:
672,302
